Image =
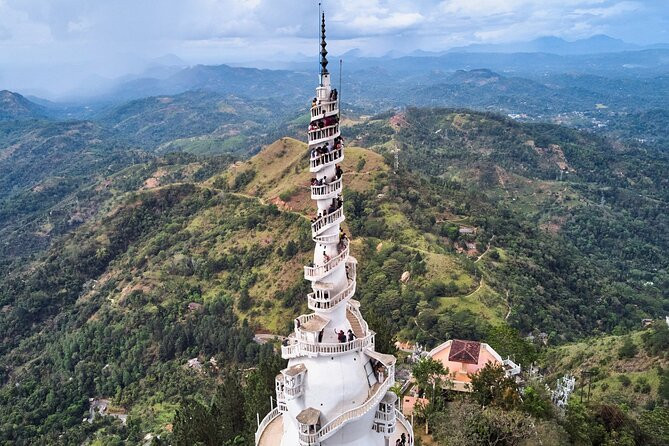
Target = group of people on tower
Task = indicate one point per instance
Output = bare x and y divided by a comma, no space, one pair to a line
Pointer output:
324,181
336,204
341,336
327,148
333,97
324,122
402,441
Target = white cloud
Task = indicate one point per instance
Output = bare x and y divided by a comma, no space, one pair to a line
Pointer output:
108,37
610,11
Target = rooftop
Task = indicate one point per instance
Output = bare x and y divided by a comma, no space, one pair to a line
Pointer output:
314,324
295,370
465,351
309,416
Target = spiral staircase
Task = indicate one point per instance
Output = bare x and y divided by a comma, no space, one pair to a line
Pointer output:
336,388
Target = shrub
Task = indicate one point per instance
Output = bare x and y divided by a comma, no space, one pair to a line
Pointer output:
361,164
287,194
628,349
642,385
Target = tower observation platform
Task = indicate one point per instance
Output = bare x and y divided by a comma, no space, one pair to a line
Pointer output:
336,388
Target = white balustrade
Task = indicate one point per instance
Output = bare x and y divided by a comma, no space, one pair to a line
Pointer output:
327,239
372,402
316,273
328,303
320,135
294,392
298,347
325,191
265,422
327,221
323,109
326,159
406,425
354,308
385,417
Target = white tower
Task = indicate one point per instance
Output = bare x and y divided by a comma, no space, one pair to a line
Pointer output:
336,388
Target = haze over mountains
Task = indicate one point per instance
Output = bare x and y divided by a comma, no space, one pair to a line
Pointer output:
555,45
169,74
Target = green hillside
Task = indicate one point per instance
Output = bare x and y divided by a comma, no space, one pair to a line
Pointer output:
580,219
630,370
155,260
187,121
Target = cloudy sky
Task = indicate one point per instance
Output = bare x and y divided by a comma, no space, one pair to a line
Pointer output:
53,44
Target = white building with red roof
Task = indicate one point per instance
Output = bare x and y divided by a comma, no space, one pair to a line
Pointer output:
461,359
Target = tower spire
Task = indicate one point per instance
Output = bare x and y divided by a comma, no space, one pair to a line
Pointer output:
324,51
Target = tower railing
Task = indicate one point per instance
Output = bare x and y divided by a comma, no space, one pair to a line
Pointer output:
406,425
315,273
327,221
325,191
326,159
265,422
315,303
320,135
298,347
332,238
354,308
372,402
323,109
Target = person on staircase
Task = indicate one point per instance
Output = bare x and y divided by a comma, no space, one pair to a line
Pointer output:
339,171
351,335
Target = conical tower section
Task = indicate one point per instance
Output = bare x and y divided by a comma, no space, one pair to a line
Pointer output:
336,388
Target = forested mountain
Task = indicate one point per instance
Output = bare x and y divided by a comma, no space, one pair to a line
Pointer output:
545,96
172,256
196,118
13,106
137,245
569,205
223,79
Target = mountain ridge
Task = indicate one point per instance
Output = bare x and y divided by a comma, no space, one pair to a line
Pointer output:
14,106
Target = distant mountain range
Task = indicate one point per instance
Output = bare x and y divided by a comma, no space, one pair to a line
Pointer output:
223,79
555,45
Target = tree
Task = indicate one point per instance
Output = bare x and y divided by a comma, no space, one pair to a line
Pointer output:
507,341
244,302
577,423
291,250
222,423
656,341
491,386
467,424
429,375
226,407
192,425
628,349
536,401
655,424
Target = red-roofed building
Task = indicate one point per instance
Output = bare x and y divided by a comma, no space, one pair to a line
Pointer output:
464,358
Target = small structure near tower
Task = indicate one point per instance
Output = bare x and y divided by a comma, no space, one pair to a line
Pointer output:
461,359
336,388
